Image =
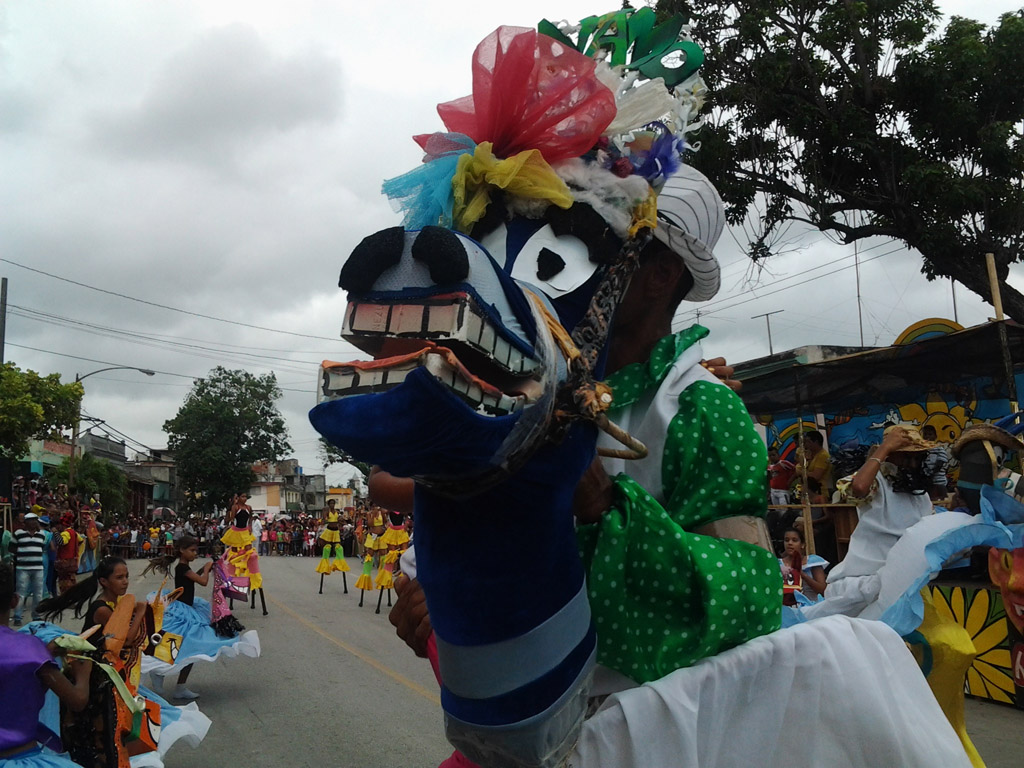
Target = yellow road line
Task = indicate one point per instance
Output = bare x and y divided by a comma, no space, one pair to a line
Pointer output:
362,656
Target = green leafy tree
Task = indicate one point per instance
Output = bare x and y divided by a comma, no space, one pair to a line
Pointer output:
331,454
33,407
97,478
228,422
858,118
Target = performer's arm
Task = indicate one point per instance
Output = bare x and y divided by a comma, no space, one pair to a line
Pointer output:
74,692
202,578
864,480
816,578
390,491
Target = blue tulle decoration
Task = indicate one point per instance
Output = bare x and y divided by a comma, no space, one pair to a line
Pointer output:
662,159
425,194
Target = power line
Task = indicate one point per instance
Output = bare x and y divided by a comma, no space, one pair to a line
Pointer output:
107,362
787,287
704,307
106,425
164,306
152,342
162,336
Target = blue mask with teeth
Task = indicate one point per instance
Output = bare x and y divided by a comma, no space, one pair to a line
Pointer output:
465,371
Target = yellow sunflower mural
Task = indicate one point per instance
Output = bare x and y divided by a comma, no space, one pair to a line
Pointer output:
980,612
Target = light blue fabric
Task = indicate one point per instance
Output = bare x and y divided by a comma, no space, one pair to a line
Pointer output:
425,193
990,529
813,561
38,758
192,622
792,616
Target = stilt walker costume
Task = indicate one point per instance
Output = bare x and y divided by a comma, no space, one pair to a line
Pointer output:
365,581
241,561
333,558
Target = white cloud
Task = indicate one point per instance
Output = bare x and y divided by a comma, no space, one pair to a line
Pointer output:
220,93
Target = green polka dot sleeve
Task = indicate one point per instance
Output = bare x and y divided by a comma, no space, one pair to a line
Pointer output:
714,464
664,598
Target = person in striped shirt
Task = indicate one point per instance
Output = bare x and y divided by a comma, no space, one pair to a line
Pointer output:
29,550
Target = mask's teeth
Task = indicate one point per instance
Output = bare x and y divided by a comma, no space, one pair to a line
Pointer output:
346,325
474,328
502,351
442,319
406,319
370,318
487,339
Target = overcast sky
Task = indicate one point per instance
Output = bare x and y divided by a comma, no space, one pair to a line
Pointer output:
221,158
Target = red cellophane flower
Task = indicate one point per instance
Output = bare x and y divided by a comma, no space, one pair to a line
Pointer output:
531,92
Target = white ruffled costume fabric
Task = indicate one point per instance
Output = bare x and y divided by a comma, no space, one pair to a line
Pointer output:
833,692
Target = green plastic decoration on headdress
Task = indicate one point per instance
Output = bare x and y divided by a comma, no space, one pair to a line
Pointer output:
630,39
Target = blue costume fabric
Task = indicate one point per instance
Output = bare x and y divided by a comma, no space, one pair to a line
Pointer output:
200,642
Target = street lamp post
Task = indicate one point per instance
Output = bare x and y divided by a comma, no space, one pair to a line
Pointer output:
78,415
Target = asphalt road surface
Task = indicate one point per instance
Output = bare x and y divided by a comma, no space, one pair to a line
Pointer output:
335,687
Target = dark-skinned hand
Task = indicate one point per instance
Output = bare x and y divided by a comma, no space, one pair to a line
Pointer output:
409,615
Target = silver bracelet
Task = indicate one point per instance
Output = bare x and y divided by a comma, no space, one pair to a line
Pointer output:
875,458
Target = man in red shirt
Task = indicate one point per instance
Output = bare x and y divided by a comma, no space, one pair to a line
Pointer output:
65,544
780,475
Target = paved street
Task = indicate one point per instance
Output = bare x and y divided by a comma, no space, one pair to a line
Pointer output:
335,687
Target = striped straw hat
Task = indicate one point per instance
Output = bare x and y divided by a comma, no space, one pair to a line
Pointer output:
691,217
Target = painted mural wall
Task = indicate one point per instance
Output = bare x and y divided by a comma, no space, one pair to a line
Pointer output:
948,408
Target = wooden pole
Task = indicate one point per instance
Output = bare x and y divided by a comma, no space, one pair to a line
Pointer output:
805,499
1004,342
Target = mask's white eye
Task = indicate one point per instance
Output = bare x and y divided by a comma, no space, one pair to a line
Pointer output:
494,243
556,265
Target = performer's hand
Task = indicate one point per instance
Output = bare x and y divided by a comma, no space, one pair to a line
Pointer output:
721,369
593,493
410,616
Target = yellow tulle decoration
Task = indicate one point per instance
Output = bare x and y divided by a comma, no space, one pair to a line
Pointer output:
384,579
364,582
525,174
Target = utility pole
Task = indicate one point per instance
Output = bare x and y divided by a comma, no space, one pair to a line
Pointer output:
3,317
768,320
952,290
856,268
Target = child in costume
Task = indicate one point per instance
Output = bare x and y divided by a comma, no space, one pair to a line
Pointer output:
241,561
90,542
122,718
803,576
27,672
192,618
